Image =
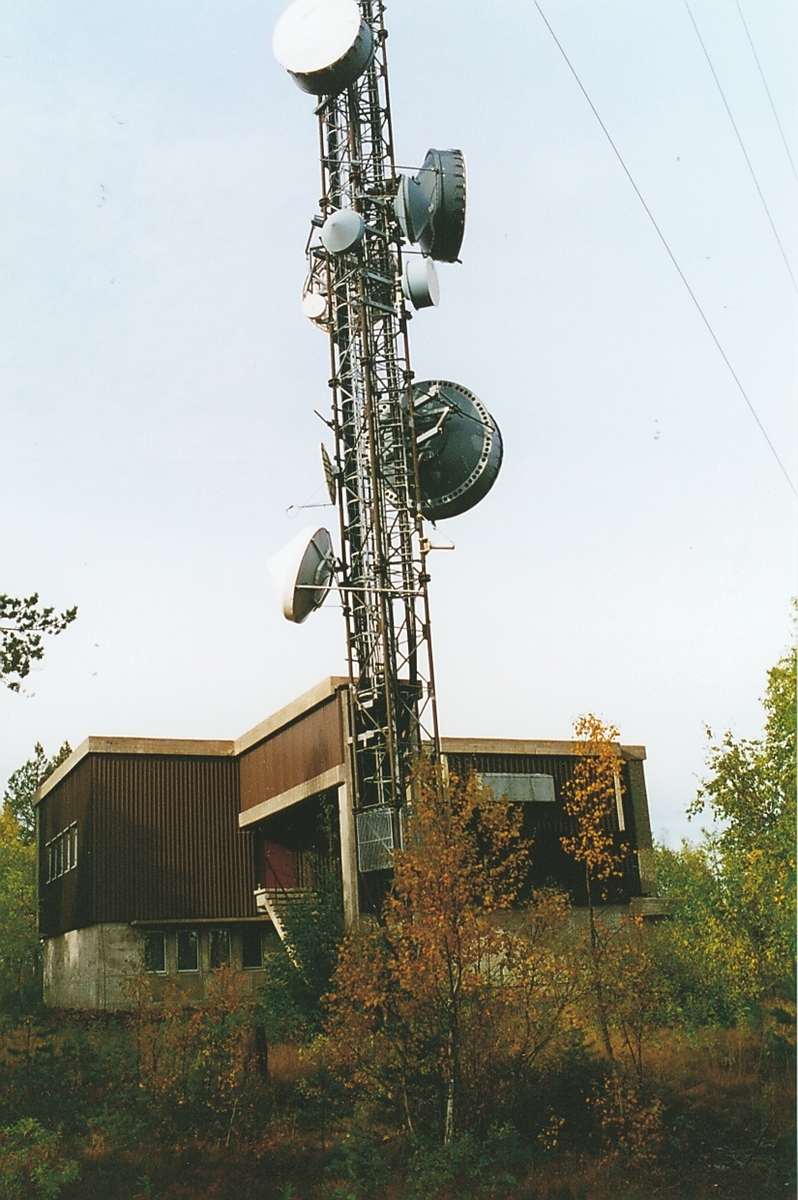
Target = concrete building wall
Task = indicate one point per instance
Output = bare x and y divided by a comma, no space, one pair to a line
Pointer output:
92,968
98,968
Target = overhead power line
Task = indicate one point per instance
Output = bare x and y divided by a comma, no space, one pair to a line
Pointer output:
742,145
767,89
668,250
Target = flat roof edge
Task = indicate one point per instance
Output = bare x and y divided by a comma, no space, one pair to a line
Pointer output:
317,695
461,745
185,747
296,708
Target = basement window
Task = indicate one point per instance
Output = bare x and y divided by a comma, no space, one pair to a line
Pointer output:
219,948
187,950
155,952
252,948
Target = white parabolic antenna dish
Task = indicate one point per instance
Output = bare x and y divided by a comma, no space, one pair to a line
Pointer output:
342,230
324,44
420,282
314,306
302,573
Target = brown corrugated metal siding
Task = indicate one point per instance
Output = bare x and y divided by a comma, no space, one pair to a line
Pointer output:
66,902
158,840
308,747
545,824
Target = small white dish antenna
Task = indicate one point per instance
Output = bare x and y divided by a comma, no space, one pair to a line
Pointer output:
324,44
342,230
420,282
314,303
302,573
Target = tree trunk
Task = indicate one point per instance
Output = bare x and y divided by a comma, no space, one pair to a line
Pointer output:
595,957
448,1123
448,1128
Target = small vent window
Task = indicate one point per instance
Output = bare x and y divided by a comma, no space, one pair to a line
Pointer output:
521,789
155,952
187,950
375,838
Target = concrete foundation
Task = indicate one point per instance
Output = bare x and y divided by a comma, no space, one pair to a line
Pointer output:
98,968
92,968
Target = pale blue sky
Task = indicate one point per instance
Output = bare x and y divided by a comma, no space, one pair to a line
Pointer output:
636,556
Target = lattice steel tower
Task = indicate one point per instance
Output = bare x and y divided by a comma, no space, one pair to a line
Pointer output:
402,452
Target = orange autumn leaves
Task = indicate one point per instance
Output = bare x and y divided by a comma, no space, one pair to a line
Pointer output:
590,795
443,1011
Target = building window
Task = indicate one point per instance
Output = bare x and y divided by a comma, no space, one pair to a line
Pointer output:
220,948
252,949
187,950
155,952
522,788
62,852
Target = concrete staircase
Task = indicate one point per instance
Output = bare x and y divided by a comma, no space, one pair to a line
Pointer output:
276,903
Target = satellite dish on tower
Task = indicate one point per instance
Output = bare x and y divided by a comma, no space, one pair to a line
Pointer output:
324,44
314,303
459,448
412,207
302,573
342,230
420,282
431,207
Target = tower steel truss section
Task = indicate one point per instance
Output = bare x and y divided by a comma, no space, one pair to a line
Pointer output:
382,574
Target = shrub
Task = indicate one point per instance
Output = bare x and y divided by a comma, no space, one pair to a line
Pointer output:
32,1161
